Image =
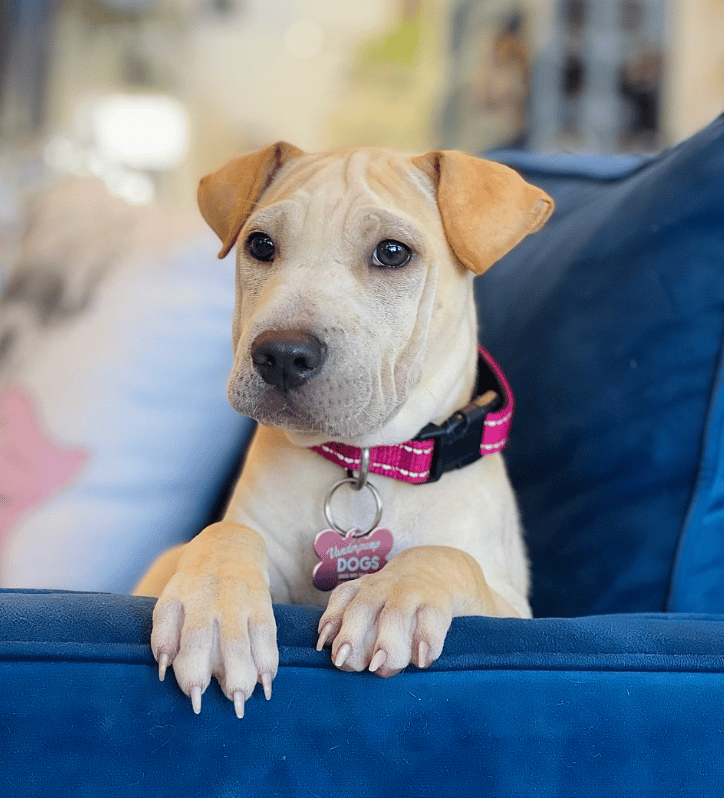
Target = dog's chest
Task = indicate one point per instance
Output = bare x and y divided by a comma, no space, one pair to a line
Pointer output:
291,527
285,504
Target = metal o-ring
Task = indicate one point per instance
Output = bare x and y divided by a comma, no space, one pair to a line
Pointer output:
327,508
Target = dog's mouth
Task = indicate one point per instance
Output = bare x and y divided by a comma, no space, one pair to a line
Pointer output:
275,407
341,409
320,382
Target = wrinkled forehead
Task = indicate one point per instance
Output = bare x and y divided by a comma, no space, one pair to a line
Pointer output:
336,183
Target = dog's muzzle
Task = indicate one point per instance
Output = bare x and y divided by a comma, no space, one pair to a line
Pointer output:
287,358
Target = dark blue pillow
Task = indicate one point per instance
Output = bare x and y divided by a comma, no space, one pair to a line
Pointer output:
609,326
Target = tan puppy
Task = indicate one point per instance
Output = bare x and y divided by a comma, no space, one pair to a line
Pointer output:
354,323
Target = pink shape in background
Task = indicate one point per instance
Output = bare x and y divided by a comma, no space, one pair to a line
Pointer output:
32,467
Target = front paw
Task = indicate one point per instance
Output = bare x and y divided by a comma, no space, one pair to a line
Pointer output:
208,625
386,621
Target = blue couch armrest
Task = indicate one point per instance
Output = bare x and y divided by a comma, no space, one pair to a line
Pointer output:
627,705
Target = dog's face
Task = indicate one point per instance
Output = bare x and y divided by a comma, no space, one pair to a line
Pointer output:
348,250
354,318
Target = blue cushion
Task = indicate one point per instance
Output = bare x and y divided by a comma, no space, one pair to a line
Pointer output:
609,325
629,706
697,581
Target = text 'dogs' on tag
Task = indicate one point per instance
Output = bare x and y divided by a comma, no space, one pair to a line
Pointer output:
343,558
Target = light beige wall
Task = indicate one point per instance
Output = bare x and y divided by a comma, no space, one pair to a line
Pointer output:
241,76
693,91
244,86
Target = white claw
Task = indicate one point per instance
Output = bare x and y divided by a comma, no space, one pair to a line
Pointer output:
239,704
267,685
323,639
343,653
196,696
378,659
163,665
423,653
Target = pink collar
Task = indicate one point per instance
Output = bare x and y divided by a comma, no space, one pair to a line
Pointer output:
479,429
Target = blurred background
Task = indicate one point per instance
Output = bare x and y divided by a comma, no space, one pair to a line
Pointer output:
148,95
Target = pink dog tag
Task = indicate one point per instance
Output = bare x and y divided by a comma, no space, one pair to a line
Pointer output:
346,558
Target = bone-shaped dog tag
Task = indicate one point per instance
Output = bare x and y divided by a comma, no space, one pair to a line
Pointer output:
343,558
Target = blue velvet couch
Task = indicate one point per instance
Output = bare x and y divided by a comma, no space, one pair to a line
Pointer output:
608,324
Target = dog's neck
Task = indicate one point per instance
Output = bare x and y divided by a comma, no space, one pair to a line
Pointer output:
475,430
440,395
441,391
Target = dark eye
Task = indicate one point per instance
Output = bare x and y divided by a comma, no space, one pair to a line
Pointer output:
391,254
261,247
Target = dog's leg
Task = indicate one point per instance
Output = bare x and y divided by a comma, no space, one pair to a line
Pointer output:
160,572
401,615
214,617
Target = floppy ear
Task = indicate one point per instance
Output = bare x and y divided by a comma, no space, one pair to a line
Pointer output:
486,207
226,197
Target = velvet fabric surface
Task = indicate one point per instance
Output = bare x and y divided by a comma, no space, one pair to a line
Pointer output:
619,705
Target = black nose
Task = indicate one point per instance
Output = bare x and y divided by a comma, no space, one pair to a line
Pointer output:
287,358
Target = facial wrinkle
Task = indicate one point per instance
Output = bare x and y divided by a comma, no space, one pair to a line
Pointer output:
296,173
392,182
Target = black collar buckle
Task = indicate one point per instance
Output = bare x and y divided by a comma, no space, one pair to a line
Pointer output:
457,442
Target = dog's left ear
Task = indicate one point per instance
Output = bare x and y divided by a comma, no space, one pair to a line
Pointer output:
486,207
227,197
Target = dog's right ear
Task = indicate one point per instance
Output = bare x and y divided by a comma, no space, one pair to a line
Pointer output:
227,197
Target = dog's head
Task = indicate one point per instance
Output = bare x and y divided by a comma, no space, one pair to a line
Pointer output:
354,318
